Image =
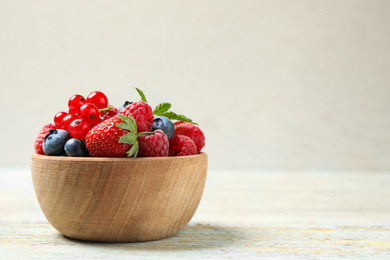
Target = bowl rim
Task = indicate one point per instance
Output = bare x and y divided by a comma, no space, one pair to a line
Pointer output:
114,159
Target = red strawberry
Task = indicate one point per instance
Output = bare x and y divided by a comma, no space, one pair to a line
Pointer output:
192,131
180,145
114,137
102,139
38,142
156,145
142,114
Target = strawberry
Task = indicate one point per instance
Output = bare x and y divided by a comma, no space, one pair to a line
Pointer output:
38,142
114,137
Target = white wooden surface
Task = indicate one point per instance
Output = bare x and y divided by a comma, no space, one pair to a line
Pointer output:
305,81
243,214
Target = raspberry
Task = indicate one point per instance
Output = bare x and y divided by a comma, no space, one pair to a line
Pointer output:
142,114
180,145
38,142
192,131
154,145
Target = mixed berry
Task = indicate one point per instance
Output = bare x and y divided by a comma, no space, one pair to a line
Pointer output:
93,127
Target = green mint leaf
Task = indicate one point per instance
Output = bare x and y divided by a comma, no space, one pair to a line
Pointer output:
161,108
174,116
143,98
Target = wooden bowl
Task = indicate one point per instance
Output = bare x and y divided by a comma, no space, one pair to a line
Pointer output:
119,199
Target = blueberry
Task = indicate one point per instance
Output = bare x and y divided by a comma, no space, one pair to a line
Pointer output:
124,105
54,142
76,148
165,124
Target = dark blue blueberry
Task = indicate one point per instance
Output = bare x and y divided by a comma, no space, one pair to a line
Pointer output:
76,148
54,142
165,124
124,105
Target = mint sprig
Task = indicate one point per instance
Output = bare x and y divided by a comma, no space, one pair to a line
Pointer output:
162,110
143,98
173,116
132,137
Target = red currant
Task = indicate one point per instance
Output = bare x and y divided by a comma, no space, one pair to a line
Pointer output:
74,103
58,119
112,112
67,120
90,113
113,108
100,120
79,128
98,98
105,117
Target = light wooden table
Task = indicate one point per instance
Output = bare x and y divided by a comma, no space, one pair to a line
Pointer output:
242,215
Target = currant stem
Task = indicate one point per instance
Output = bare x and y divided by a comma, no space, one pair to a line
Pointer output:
105,109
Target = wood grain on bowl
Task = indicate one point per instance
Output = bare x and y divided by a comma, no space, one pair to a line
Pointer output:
119,199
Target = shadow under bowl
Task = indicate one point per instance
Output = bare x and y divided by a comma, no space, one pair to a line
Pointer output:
119,199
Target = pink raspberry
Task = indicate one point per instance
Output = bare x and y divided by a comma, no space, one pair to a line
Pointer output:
38,142
142,114
192,131
153,145
181,145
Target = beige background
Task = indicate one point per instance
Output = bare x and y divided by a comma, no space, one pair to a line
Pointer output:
273,84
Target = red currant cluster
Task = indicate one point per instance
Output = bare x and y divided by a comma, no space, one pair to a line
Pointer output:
84,113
